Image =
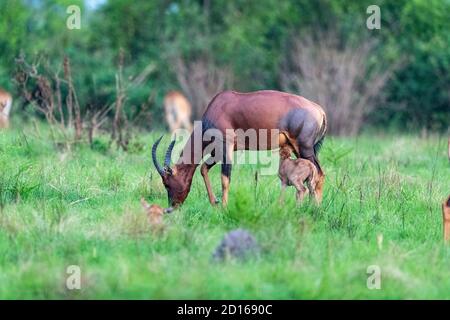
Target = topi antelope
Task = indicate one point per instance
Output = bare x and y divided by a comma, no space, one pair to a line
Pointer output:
5,108
296,173
278,119
178,111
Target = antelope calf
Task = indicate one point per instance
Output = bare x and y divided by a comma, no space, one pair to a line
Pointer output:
178,111
296,173
155,214
5,108
446,219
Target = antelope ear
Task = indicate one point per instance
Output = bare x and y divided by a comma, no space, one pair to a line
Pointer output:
145,204
168,210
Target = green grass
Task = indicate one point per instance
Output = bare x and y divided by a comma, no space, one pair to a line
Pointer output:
82,208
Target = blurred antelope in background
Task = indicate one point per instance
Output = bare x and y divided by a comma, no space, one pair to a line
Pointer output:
5,108
178,111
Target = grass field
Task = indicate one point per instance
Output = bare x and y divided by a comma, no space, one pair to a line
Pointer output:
82,208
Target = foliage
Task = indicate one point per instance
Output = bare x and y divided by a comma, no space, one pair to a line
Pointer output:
248,39
55,96
337,77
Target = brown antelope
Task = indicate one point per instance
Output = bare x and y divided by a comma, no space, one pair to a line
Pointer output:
279,118
5,108
178,111
446,219
296,173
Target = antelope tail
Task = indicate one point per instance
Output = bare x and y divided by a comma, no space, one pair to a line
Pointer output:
323,130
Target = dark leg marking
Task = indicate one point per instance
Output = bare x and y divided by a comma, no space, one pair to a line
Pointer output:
226,170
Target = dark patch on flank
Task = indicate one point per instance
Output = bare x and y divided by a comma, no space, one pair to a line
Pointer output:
207,124
318,145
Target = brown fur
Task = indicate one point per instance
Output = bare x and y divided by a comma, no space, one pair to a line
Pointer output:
178,111
446,219
155,215
5,108
283,117
296,173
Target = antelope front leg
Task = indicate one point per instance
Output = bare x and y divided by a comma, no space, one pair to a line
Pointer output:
226,175
226,170
204,171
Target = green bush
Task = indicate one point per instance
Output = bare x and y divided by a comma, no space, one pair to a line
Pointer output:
251,38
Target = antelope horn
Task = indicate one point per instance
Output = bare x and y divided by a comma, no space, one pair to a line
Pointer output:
168,157
155,161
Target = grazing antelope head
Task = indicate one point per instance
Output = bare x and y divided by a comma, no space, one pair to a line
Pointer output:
178,111
176,180
5,108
